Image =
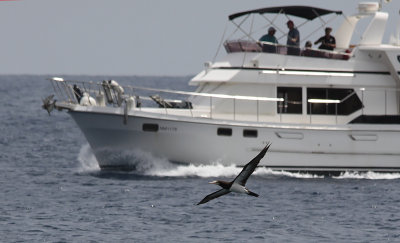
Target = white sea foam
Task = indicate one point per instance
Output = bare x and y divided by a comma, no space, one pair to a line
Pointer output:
219,170
214,170
147,164
143,162
369,176
267,171
87,160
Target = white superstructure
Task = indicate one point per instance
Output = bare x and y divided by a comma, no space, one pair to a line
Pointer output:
323,111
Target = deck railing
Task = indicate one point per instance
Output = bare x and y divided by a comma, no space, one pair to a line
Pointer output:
65,89
268,47
383,101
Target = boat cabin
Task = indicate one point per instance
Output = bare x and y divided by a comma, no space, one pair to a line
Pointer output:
314,85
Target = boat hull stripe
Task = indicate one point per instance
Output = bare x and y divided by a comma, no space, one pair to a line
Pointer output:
305,70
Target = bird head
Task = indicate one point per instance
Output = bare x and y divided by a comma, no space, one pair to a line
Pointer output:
214,182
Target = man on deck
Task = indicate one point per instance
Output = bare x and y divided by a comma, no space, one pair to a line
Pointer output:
293,39
270,36
327,41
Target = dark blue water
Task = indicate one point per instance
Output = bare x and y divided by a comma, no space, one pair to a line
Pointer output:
52,190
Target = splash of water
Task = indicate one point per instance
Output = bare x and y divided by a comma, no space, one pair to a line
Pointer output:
218,170
87,160
143,162
368,175
213,170
147,164
267,171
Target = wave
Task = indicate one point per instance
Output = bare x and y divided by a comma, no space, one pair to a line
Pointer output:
147,164
213,170
87,160
267,171
368,175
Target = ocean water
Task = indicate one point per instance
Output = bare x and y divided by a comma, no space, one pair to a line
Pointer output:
53,191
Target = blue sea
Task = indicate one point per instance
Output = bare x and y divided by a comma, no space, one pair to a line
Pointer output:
53,191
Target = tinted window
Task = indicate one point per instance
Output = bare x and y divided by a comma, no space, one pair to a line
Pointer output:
349,101
250,133
224,132
148,127
292,100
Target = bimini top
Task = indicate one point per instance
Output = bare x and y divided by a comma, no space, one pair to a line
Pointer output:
306,12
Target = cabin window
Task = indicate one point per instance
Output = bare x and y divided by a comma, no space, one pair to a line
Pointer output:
224,131
149,127
250,133
349,101
292,103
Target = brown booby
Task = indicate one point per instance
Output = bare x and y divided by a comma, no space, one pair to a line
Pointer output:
238,184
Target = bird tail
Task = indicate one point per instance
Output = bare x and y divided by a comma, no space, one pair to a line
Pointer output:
250,193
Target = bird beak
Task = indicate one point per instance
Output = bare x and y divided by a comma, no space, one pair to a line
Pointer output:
213,182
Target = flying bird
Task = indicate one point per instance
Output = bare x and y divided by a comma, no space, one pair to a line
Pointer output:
238,184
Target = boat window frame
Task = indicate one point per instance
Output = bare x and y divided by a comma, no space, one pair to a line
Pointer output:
224,131
150,127
348,101
250,133
296,106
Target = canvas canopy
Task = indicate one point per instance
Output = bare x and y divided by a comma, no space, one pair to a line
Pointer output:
305,12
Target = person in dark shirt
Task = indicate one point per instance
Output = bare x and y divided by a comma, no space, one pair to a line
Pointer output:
327,41
293,40
293,35
271,46
78,93
270,36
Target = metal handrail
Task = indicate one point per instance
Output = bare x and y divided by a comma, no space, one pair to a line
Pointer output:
67,85
311,52
337,102
222,96
63,89
329,101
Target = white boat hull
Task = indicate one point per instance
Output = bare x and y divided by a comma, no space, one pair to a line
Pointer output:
195,141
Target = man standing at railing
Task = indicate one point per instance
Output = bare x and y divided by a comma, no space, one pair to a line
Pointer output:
270,36
271,39
328,42
293,39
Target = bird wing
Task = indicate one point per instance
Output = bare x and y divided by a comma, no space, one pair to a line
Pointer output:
214,195
249,168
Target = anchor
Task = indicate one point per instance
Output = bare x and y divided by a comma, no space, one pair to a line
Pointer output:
49,104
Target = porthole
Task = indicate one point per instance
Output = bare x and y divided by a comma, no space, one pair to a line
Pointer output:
250,133
150,127
224,131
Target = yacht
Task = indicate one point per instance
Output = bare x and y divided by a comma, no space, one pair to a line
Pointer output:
324,111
